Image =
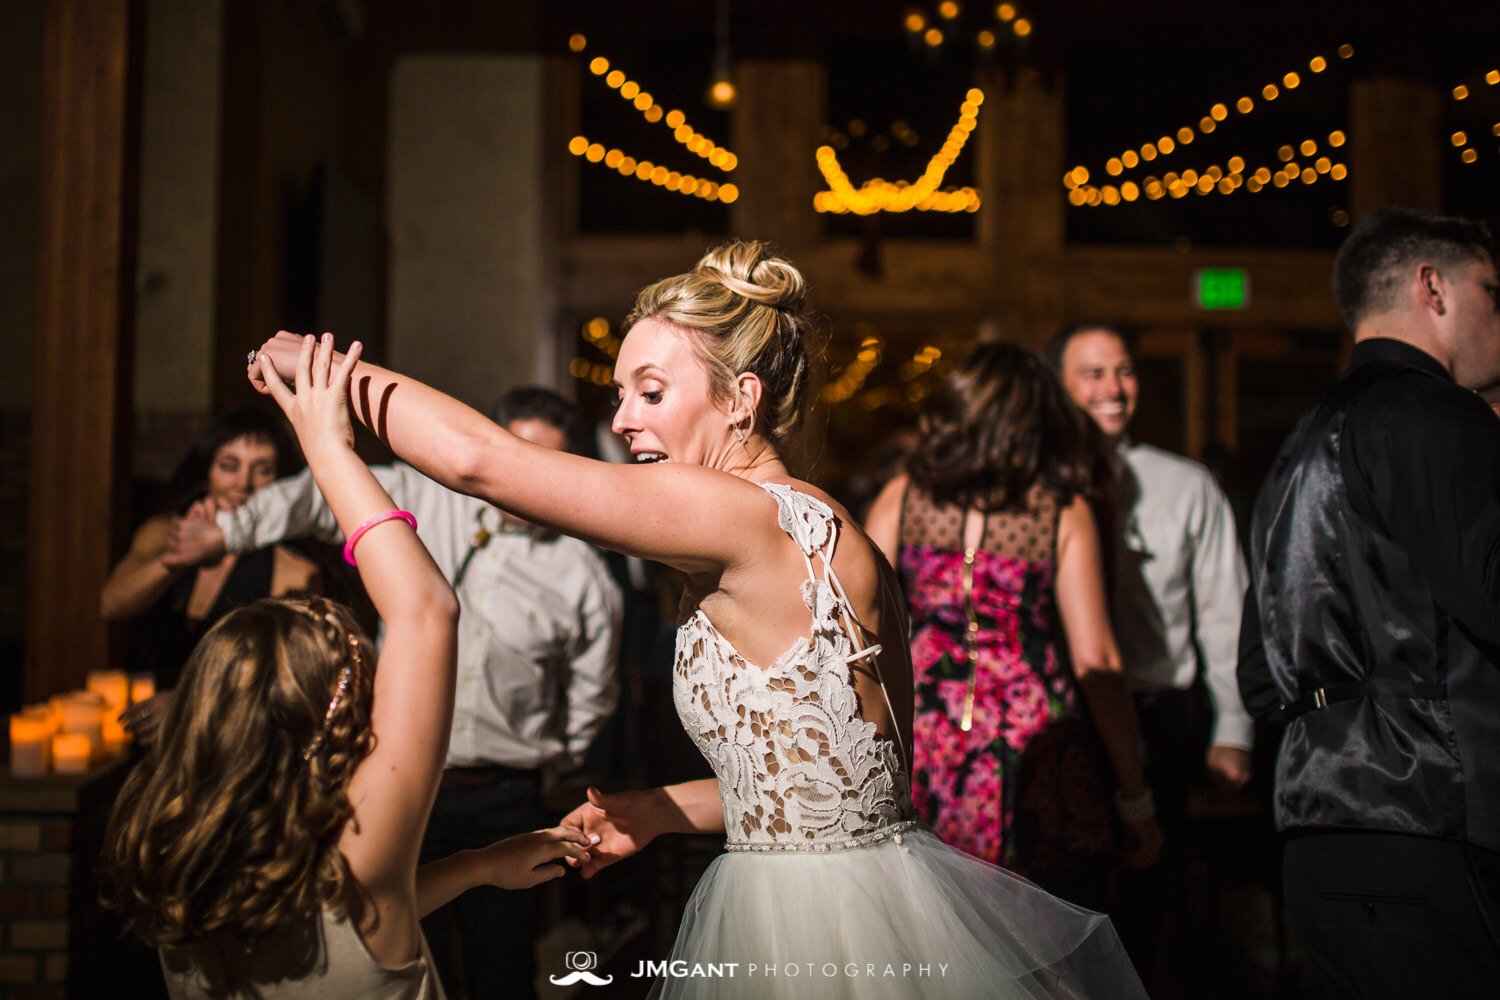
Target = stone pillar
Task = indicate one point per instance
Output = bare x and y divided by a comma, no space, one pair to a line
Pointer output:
468,297
777,113
1021,222
174,323
1396,140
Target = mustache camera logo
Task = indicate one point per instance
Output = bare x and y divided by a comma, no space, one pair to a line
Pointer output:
581,962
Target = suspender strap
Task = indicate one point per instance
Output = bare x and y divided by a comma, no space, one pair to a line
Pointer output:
1377,687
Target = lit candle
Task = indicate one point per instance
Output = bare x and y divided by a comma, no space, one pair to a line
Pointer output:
111,685
42,712
30,742
142,686
55,712
71,753
83,714
116,736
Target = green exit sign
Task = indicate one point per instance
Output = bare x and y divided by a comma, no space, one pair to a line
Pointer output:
1222,288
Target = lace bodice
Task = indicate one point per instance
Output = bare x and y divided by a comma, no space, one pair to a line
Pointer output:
798,768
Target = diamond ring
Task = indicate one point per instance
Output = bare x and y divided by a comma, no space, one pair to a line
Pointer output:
250,358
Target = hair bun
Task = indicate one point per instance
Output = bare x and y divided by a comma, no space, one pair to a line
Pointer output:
751,269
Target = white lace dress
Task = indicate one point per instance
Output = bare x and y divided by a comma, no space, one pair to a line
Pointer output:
828,888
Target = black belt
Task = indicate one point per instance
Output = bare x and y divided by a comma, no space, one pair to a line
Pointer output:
485,774
1377,686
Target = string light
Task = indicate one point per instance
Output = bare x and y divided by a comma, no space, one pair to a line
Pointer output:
1460,139
1080,192
880,195
1225,180
596,332
852,378
644,170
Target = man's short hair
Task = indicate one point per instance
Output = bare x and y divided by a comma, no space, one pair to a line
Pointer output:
1058,343
1376,260
533,402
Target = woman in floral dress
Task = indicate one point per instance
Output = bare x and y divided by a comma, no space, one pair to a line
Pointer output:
1021,708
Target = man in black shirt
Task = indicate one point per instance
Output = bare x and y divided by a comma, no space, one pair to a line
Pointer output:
1372,624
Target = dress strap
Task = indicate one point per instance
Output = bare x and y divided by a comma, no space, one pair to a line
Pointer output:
813,527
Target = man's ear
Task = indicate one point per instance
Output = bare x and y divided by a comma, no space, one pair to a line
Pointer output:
1431,288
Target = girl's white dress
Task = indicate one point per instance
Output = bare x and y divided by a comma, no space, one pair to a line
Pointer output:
828,887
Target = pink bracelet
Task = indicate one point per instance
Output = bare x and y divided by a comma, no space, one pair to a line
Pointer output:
359,532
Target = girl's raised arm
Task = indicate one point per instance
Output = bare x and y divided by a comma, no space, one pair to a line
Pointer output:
393,788
673,513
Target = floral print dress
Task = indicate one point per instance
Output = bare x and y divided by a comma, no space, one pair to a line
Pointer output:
1023,783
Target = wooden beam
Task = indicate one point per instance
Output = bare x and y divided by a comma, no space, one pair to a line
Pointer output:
84,333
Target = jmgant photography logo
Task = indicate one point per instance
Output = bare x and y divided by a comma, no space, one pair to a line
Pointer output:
582,963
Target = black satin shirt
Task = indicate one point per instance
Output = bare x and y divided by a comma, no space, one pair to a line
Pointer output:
1376,555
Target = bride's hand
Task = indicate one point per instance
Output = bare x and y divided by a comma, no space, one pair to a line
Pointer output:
319,409
283,350
624,822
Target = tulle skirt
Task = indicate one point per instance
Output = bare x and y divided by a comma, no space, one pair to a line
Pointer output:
906,917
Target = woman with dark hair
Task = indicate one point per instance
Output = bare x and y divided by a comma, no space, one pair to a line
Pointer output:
173,603
1012,653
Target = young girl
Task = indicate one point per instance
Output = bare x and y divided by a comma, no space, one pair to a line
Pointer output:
793,674
268,844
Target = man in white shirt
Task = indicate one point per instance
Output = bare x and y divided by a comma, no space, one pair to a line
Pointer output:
1177,590
536,681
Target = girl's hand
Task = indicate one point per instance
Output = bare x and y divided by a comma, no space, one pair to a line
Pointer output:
618,823
525,860
319,409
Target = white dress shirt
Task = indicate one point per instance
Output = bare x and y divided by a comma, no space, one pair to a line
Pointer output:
1179,582
539,630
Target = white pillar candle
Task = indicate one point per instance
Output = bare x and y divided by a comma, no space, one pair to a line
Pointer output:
71,753
30,745
83,713
142,686
116,736
111,685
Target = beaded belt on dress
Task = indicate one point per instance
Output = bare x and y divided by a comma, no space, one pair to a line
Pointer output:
894,831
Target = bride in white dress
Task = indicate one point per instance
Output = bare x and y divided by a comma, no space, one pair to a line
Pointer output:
792,671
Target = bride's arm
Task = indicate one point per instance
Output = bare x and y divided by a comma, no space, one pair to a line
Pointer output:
625,822
670,512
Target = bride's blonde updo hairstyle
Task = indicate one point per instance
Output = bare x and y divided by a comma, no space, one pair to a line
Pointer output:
742,304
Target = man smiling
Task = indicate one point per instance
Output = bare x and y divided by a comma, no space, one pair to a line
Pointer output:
1177,590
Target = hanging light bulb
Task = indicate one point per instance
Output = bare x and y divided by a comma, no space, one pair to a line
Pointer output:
721,92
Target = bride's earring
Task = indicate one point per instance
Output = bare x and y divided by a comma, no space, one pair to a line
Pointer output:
739,432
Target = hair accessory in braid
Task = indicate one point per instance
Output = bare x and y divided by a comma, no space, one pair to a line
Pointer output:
339,689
